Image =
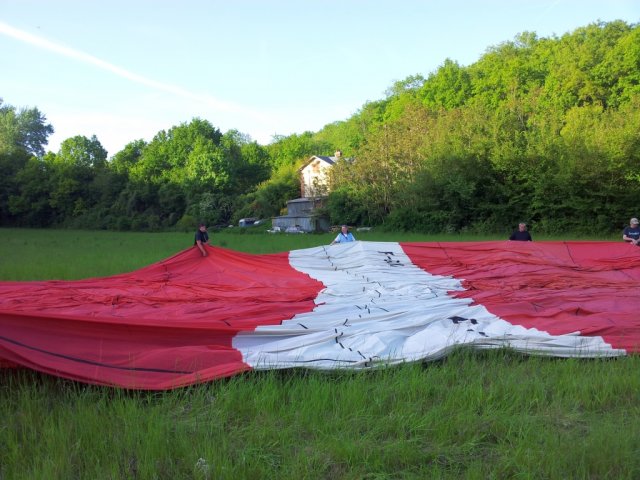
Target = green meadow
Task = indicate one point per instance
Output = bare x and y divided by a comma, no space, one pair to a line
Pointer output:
492,414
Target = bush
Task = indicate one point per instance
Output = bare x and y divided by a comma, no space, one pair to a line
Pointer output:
186,223
344,208
123,224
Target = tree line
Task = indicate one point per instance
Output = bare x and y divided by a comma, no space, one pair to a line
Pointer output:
542,130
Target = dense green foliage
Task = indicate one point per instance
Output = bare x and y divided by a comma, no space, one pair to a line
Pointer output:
542,130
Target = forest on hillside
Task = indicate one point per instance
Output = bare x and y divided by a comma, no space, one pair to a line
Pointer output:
542,130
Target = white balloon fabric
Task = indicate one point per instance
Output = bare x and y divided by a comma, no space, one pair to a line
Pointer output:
377,307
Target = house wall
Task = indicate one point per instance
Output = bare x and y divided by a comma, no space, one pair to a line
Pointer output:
305,206
299,208
314,178
300,213
305,223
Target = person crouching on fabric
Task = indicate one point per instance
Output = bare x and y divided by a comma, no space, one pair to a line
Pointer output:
521,234
631,233
344,236
202,239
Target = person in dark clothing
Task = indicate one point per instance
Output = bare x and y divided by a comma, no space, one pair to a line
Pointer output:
521,234
631,233
202,239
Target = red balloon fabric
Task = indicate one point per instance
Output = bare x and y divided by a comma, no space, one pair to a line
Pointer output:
559,287
164,326
190,319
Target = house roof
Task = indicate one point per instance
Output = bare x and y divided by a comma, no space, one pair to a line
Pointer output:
329,160
324,158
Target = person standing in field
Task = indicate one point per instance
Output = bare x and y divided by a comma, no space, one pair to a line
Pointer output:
521,234
344,236
202,239
631,233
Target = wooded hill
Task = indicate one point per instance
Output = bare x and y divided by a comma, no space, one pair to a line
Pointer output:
542,130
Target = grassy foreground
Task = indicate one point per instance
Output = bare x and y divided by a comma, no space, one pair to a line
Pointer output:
475,415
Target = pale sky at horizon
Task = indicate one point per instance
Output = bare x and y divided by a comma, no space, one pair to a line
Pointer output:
125,70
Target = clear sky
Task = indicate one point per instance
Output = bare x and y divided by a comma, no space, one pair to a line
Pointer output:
124,70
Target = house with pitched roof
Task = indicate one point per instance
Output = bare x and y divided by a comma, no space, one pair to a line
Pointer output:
303,212
314,175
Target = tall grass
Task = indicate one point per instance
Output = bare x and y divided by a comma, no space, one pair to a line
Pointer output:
32,254
492,414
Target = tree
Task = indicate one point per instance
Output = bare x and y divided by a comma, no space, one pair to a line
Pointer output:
25,130
271,196
10,166
295,148
167,155
411,84
23,133
73,170
250,162
30,205
123,161
449,87
81,151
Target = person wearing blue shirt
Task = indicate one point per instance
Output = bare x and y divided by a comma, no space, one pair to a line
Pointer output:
631,233
344,236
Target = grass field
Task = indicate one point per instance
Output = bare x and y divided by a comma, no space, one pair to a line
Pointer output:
474,415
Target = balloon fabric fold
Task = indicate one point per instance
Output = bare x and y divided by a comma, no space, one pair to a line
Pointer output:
191,319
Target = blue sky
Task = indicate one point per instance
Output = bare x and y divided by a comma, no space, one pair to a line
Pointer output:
124,70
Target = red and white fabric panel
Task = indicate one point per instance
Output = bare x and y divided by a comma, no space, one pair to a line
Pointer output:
390,303
190,319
